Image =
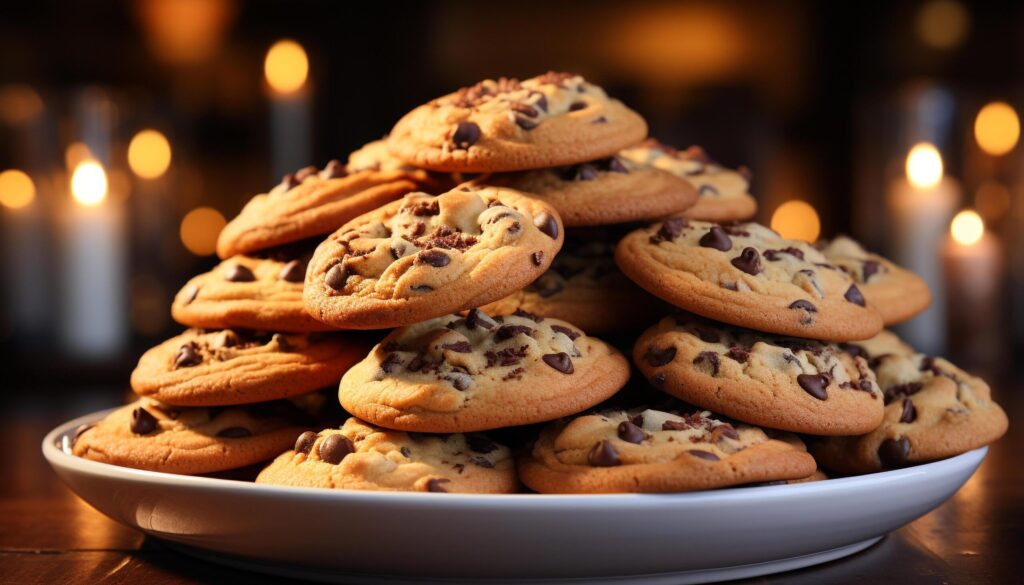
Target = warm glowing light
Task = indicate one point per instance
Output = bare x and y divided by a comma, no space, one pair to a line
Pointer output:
149,154
797,220
992,200
19,104
967,228
286,66
942,24
924,166
16,189
89,183
199,230
76,154
997,128
185,32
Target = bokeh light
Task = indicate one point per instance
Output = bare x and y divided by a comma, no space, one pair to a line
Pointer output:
942,24
89,183
924,166
149,154
797,220
16,189
997,128
76,154
967,228
199,230
286,66
992,199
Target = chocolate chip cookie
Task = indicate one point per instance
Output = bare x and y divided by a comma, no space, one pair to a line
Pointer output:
158,437
360,456
219,367
586,288
784,383
607,191
312,202
459,374
646,450
747,275
261,291
933,410
723,193
509,125
895,292
425,256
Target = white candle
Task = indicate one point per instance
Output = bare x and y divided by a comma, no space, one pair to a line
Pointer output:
972,258
286,69
921,205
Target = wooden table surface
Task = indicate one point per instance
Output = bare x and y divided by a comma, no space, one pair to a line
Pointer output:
48,535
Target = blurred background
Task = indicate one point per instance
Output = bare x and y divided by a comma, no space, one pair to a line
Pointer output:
129,132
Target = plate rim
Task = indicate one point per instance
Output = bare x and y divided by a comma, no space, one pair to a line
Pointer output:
58,458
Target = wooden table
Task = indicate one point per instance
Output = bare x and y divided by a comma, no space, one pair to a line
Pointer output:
48,535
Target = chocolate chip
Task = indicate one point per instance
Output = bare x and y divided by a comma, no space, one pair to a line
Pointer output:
525,123
659,357
716,238
142,423
570,333
239,273
599,120
234,433
711,358
871,268
458,347
603,454
675,425
805,305
546,223
509,331
726,430
405,452
853,295
435,484
304,442
893,453
480,443
477,318
333,170
559,361
188,356
466,134
631,433
538,258
814,384
421,288
670,229
707,456
707,335
748,261
435,258
542,102
524,109
739,354
336,277
577,106
294,271
909,413
335,448
776,255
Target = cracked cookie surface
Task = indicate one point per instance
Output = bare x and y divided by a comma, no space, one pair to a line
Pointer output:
747,275
473,373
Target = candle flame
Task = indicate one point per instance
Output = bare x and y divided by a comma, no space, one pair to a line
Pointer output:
997,128
797,220
89,184
924,166
286,66
16,189
967,228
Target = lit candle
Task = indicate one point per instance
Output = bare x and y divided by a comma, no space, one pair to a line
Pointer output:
94,256
921,204
286,69
973,263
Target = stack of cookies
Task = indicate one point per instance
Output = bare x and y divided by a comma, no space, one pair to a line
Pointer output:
493,234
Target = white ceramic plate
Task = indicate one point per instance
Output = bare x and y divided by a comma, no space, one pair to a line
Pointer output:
370,537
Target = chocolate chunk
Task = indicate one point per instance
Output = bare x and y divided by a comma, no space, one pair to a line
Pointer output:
528,315
908,389
805,305
577,106
599,120
853,295
739,354
333,170
239,273
670,229
748,261
143,422
480,443
482,462
871,268
525,123
294,271
707,335
603,454
405,452
676,425
584,172
425,208
542,102
458,347
435,258
854,350
304,442
477,318
234,433
559,361
538,258
725,430
717,238
509,331
466,134
776,255
436,484
336,277
814,384
335,448
188,355
707,456
909,413
546,223
631,433
711,358
659,357
524,109
570,333
421,288
893,453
